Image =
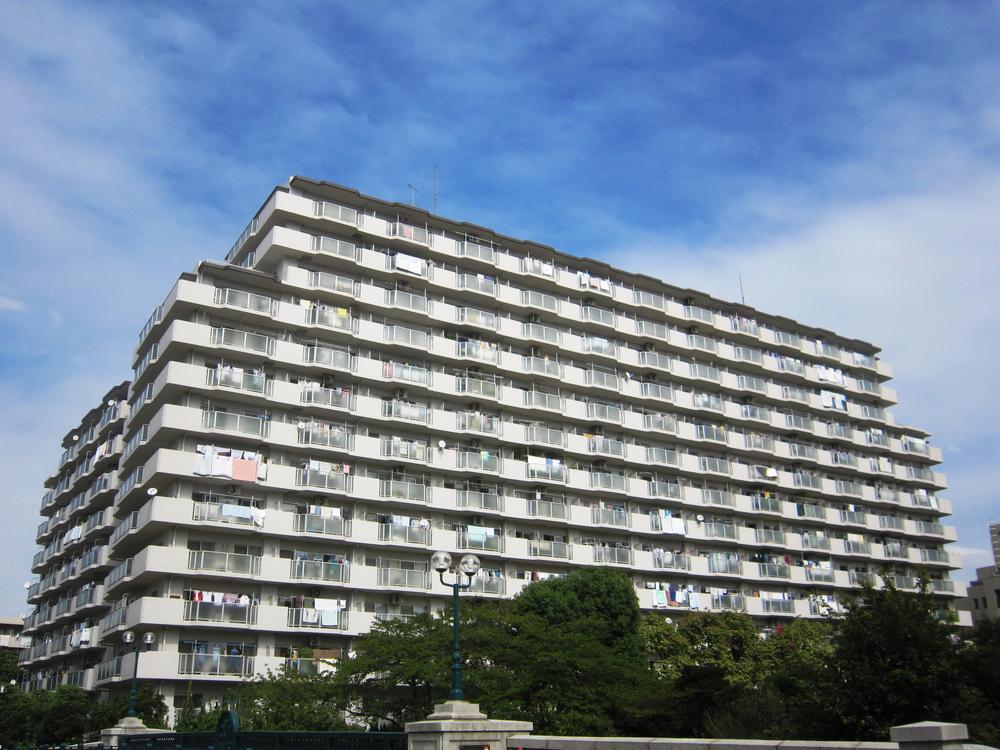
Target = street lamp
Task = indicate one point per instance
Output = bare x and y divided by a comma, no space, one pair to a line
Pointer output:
128,638
469,565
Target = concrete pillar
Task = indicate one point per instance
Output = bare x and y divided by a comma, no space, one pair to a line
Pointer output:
457,725
127,726
929,735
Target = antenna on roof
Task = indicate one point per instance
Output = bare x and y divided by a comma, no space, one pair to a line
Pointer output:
435,187
413,194
742,298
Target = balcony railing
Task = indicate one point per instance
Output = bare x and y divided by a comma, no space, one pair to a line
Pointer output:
402,489
479,460
733,602
478,387
488,585
320,570
479,541
246,301
331,246
542,366
224,513
477,499
326,619
416,579
608,481
671,561
547,509
820,575
543,400
546,548
327,355
774,570
254,342
225,562
614,555
541,434
329,525
215,664
729,565
326,479
404,533
770,536
779,606
609,517
242,423
222,612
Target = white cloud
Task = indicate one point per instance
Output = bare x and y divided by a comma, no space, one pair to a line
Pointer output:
9,304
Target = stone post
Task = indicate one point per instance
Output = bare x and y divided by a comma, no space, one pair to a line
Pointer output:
458,725
929,735
128,725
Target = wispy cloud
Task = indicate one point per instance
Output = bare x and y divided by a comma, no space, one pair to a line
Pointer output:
9,304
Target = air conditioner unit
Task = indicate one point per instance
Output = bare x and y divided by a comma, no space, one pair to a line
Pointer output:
395,598
399,393
533,318
328,380
647,347
692,329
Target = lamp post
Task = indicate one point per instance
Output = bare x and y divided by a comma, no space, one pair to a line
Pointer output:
128,638
469,565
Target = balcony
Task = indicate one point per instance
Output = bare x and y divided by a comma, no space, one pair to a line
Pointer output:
805,510
604,412
325,479
542,366
402,489
328,525
717,530
253,342
605,445
241,423
810,541
404,534
819,575
547,509
671,561
770,536
538,332
407,300
329,356
478,460
408,373
597,315
655,359
488,585
408,449
693,312
320,570
891,522
393,334
246,301
928,527
727,565
223,562
476,422
414,579
858,578
479,540
409,410
477,283
660,422
609,517
774,570
853,516
541,434
109,669
613,555
332,282
854,547
335,397
479,499
335,247
779,606
608,481
537,267
547,548
665,456
663,488
225,613
934,555
215,664
241,515
477,387
470,249
476,317
483,351
731,602
324,619
543,400
338,318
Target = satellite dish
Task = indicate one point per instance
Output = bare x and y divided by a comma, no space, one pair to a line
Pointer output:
152,492
442,444
76,438
699,518
302,425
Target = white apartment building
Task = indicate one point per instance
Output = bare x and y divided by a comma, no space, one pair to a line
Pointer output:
362,383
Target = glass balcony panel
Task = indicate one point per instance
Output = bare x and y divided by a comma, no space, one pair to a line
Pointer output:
548,509
546,548
418,579
404,490
320,570
315,524
404,534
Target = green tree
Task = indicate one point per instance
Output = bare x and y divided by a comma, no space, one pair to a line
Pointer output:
894,663
8,667
288,701
398,671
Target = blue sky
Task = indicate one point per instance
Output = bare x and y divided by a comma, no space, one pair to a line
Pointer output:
844,158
